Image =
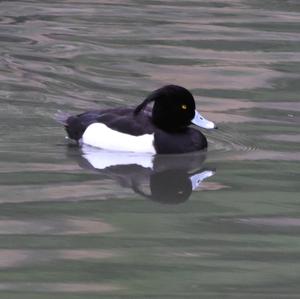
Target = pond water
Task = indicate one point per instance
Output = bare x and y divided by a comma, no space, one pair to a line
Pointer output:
68,230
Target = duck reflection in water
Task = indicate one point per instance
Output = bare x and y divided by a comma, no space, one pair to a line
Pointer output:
168,179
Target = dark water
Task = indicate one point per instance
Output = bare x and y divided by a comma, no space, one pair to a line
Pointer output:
69,231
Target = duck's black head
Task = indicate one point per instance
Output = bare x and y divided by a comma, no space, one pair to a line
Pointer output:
173,109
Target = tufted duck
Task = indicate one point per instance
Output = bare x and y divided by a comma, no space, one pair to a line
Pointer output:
164,129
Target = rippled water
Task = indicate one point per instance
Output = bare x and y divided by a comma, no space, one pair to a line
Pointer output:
68,230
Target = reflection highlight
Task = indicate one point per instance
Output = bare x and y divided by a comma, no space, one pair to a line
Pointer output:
168,179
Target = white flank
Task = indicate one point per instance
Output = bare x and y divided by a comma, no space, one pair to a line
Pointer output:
101,159
101,136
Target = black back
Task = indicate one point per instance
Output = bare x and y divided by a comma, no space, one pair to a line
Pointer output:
121,119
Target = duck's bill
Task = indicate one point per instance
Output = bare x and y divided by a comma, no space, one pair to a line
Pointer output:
202,122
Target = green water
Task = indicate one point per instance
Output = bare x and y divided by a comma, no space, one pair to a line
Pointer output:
69,231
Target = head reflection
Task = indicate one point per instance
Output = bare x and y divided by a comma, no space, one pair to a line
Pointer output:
168,179
169,186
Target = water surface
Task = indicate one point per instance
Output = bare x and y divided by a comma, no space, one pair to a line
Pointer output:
68,230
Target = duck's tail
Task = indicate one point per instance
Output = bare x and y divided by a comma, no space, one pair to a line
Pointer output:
62,117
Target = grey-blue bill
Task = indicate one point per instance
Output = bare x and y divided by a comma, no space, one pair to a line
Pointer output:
202,122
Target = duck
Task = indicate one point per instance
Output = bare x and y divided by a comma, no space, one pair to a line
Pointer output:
168,127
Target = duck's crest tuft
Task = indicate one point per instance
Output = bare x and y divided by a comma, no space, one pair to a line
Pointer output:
62,117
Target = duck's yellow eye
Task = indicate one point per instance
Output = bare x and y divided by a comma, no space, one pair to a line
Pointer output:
184,107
